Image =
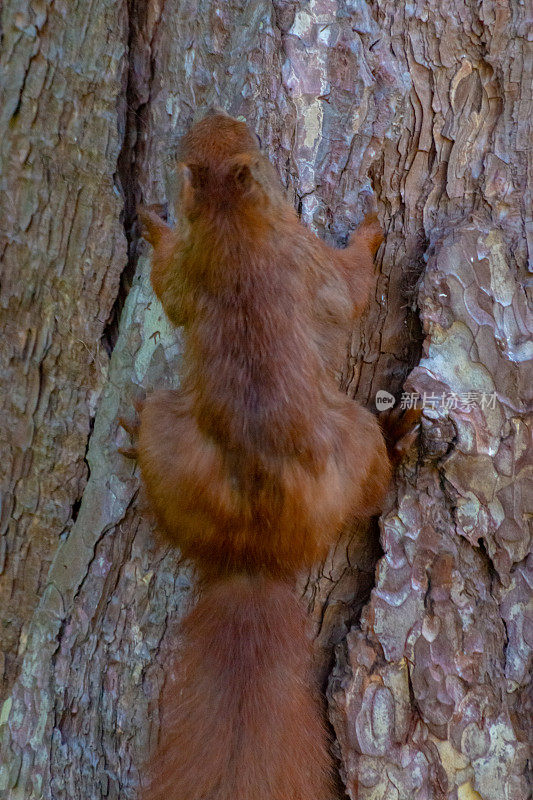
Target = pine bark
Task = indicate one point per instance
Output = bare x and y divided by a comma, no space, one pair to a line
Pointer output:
424,109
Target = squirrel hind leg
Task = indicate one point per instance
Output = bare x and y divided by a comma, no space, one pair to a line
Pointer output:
366,471
183,473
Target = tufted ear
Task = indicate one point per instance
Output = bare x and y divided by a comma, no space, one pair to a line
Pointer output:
238,175
192,177
242,170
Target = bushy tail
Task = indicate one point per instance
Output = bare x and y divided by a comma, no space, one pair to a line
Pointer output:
241,719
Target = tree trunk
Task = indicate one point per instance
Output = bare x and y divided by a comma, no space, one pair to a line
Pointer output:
425,106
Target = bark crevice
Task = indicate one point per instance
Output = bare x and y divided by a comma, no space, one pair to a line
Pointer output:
133,115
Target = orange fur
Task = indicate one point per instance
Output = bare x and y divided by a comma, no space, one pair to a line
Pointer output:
254,465
241,719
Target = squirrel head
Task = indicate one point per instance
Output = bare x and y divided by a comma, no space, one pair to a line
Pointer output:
222,167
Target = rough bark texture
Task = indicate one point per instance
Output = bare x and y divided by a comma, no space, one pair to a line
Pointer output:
427,107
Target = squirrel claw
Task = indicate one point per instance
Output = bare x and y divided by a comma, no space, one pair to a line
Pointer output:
401,429
132,428
138,404
128,452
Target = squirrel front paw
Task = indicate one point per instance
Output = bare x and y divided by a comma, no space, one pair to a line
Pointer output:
152,227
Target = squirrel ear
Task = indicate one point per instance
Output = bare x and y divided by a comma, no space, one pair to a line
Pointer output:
242,168
192,176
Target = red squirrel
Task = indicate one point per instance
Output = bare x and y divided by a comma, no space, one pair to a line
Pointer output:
253,466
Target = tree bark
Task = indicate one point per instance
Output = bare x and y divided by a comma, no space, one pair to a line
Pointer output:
423,109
